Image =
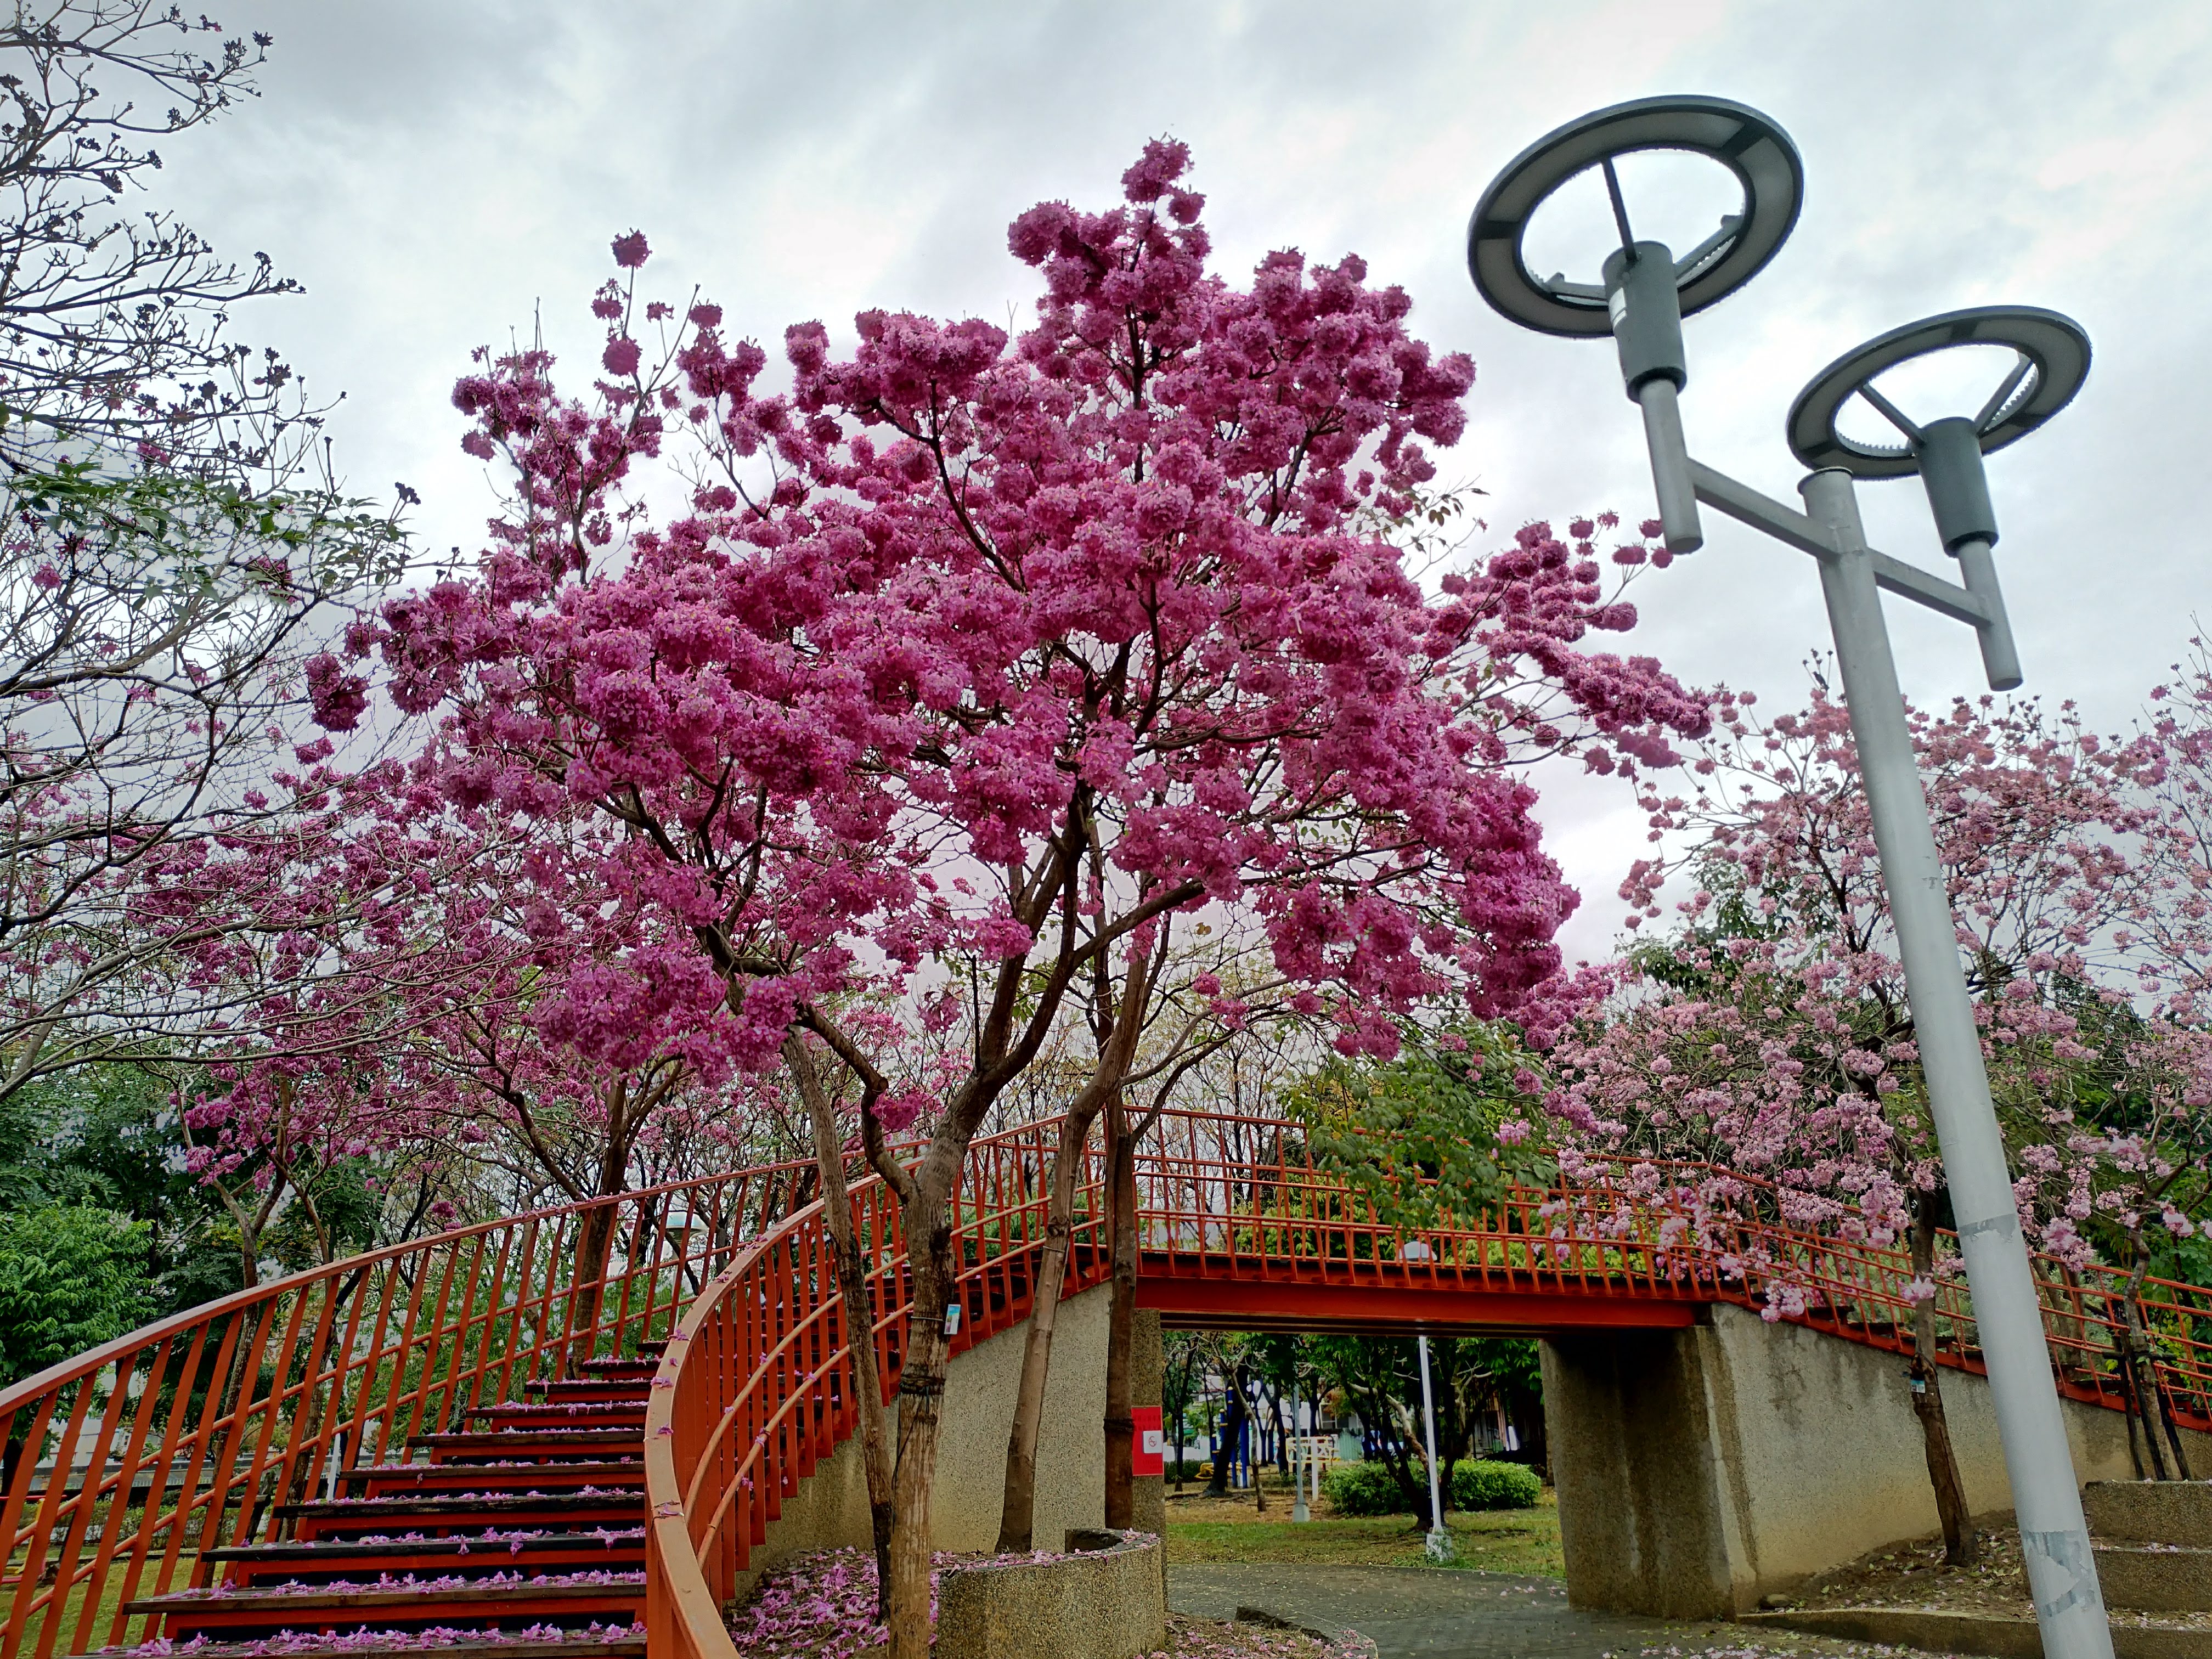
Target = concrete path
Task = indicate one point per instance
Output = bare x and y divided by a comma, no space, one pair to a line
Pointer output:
1435,1614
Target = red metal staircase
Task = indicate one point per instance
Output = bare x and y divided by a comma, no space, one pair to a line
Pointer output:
547,1535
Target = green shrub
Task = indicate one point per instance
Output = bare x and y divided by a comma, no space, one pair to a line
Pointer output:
1485,1486
1368,1488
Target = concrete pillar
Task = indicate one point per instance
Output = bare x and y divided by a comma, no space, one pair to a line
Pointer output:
1699,1470
1645,1518
1148,1496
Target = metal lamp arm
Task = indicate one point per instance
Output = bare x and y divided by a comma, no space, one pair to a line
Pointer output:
1979,605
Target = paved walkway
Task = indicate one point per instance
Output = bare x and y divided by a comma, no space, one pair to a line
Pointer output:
1434,1614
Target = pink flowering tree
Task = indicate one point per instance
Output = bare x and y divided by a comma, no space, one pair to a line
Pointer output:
1770,1036
980,661
264,927
498,1000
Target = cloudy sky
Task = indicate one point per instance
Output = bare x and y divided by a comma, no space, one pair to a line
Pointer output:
435,170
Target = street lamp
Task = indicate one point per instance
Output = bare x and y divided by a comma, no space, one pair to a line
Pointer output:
1643,294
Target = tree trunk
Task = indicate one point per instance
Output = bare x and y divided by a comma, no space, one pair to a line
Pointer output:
1256,1454
922,1400
1374,1398
1961,1545
1121,1319
2142,1366
595,1239
853,1289
1117,1030
1017,1510
1224,1445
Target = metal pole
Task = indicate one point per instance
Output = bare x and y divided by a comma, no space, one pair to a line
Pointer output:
1438,1547
2000,656
2062,1573
1298,1510
1670,465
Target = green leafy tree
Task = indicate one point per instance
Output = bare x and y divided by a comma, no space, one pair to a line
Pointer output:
108,1137
72,1278
1437,1132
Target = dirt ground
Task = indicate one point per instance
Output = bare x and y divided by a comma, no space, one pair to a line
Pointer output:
1914,1575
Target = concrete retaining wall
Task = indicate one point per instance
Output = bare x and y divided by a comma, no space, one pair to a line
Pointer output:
1699,1470
1105,1599
831,1509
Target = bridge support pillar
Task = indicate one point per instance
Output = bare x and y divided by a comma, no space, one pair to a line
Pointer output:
1642,1435
1698,1470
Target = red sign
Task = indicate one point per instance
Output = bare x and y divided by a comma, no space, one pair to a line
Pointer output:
1147,1455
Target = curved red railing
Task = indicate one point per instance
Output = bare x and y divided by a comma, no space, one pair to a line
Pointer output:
125,1464
757,1389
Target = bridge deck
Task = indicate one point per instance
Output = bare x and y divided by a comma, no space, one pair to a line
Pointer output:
1206,1291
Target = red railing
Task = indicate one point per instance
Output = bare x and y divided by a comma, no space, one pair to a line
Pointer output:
1226,1198
759,1380
125,1465
757,1389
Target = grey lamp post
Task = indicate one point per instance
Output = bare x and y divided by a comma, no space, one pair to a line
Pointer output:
1437,1545
1643,294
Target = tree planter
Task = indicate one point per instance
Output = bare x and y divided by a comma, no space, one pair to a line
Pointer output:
1105,1599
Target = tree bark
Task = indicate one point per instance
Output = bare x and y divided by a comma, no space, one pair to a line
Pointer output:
1961,1545
1121,1318
1117,1029
859,1321
921,1399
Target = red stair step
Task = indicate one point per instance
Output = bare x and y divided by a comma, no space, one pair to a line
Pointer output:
563,1414
592,1390
436,1514
398,1607
514,1475
361,1561
610,1641
562,1445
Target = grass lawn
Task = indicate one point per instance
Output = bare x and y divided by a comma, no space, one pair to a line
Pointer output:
1202,1529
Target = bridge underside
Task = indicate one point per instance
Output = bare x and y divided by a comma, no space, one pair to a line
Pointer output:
1193,1292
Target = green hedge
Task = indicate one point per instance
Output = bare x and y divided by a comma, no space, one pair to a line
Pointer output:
1368,1487
1362,1488
1485,1486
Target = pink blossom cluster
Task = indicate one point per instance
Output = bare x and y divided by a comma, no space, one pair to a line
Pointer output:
956,607
1770,1034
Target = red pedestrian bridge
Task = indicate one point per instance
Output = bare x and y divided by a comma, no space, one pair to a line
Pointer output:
563,1433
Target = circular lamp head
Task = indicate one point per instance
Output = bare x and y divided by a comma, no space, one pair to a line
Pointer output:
2053,360
1750,146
